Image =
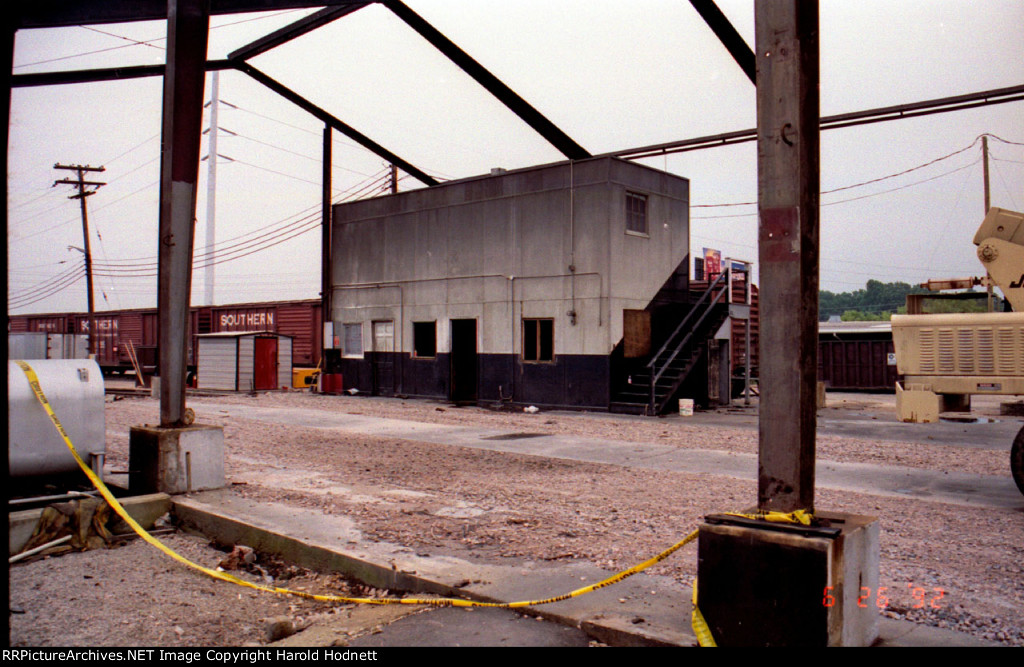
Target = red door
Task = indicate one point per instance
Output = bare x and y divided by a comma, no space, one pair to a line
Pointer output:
265,364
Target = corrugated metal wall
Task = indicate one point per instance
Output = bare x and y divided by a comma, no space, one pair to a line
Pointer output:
246,367
302,322
284,361
217,358
130,330
856,364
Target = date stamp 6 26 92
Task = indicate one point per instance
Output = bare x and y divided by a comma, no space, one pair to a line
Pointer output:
881,597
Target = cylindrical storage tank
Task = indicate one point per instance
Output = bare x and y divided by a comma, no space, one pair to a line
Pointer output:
74,389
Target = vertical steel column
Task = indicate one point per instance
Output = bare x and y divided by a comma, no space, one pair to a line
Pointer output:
7,31
325,240
187,27
788,190
6,63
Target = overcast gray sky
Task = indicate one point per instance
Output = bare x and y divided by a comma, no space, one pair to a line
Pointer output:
612,75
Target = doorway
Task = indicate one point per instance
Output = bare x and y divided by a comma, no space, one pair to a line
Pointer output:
383,358
463,361
264,372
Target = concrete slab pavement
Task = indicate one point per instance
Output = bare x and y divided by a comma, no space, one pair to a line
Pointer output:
644,610
983,491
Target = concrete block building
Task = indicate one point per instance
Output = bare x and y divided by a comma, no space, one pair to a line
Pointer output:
545,286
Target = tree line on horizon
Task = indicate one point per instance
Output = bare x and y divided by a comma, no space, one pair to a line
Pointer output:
878,301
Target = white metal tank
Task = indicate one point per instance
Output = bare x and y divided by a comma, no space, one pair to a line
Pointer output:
74,389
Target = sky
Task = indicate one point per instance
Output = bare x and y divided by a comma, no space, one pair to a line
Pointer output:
901,200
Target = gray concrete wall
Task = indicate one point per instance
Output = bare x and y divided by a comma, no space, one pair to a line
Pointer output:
498,249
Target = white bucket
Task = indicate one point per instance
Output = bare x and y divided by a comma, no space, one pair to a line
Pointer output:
686,407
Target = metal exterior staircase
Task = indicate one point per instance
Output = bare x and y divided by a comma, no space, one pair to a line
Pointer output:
651,387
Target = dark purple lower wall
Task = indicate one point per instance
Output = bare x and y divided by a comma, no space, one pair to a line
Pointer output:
570,381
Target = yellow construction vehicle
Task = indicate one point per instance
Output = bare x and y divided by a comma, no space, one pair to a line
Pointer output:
947,358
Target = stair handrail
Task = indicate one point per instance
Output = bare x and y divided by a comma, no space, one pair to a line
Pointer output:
693,311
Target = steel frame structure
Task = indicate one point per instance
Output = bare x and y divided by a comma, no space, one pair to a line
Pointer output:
188,24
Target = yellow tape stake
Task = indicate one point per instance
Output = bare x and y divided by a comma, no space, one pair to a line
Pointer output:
700,626
797,516
33,381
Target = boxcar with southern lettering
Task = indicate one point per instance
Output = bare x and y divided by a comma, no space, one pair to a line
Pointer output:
118,332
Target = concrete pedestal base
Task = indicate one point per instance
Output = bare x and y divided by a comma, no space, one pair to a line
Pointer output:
770,584
175,460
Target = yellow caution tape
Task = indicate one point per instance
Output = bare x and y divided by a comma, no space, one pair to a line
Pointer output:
697,621
33,381
700,626
797,516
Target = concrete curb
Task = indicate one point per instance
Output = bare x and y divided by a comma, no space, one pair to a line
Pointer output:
641,611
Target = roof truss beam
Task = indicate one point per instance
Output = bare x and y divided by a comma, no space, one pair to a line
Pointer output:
330,120
727,34
491,83
64,13
120,73
293,30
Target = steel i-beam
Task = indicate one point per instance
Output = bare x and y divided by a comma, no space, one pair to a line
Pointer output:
187,28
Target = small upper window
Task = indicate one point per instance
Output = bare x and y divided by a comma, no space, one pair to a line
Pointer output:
636,213
538,340
424,340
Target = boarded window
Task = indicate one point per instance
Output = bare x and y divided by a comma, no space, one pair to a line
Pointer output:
636,333
353,346
424,340
636,213
538,340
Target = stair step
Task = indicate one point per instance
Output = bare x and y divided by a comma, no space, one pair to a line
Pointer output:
624,408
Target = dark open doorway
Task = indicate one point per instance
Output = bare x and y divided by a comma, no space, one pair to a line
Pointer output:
464,361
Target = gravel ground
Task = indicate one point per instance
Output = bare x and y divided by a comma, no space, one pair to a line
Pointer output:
494,505
92,599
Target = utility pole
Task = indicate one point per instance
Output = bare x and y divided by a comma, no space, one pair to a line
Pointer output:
394,179
988,203
81,184
984,167
211,186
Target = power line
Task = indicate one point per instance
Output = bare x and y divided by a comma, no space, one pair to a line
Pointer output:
296,153
868,182
134,42
233,252
841,201
29,299
148,42
26,291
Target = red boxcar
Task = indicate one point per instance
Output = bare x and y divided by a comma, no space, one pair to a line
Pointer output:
298,319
